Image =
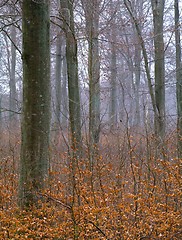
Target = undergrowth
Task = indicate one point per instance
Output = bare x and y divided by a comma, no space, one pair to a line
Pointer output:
132,190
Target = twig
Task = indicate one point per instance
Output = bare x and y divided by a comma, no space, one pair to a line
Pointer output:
8,110
54,200
100,230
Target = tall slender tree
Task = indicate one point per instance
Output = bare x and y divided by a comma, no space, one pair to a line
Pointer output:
137,62
12,82
113,66
72,71
158,13
58,73
91,9
34,159
0,111
64,94
61,97
178,77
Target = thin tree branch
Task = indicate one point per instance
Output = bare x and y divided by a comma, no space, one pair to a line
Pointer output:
7,34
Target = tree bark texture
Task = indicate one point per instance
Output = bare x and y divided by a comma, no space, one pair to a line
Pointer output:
64,119
113,93
12,82
72,71
61,105
34,160
158,12
91,9
137,71
178,77
59,57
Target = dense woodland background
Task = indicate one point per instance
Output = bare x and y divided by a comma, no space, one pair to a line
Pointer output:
90,119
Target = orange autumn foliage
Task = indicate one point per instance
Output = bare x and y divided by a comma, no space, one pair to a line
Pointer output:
128,193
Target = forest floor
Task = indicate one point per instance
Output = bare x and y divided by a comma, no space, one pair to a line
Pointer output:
130,190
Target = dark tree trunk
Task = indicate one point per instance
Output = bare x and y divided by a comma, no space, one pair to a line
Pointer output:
34,160
178,77
158,12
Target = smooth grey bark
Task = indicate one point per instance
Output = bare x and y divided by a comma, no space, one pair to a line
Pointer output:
131,90
61,101
91,9
137,63
12,82
158,12
0,112
113,93
34,159
58,78
137,70
178,77
64,119
121,95
0,88
72,72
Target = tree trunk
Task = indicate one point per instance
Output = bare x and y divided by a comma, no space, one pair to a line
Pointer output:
64,93
0,112
91,9
34,159
58,79
94,91
158,12
12,82
113,94
72,71
1,89
137,64
137,70
178,77
61,106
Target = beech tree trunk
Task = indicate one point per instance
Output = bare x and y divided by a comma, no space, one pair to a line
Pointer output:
137,64
137,72
113,93
72,71
0,112
137,83
158,12
0,89
12,82
91,9
59,43
61,105
178,77
64,119
34,161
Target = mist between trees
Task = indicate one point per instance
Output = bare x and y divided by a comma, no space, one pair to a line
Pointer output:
90,119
